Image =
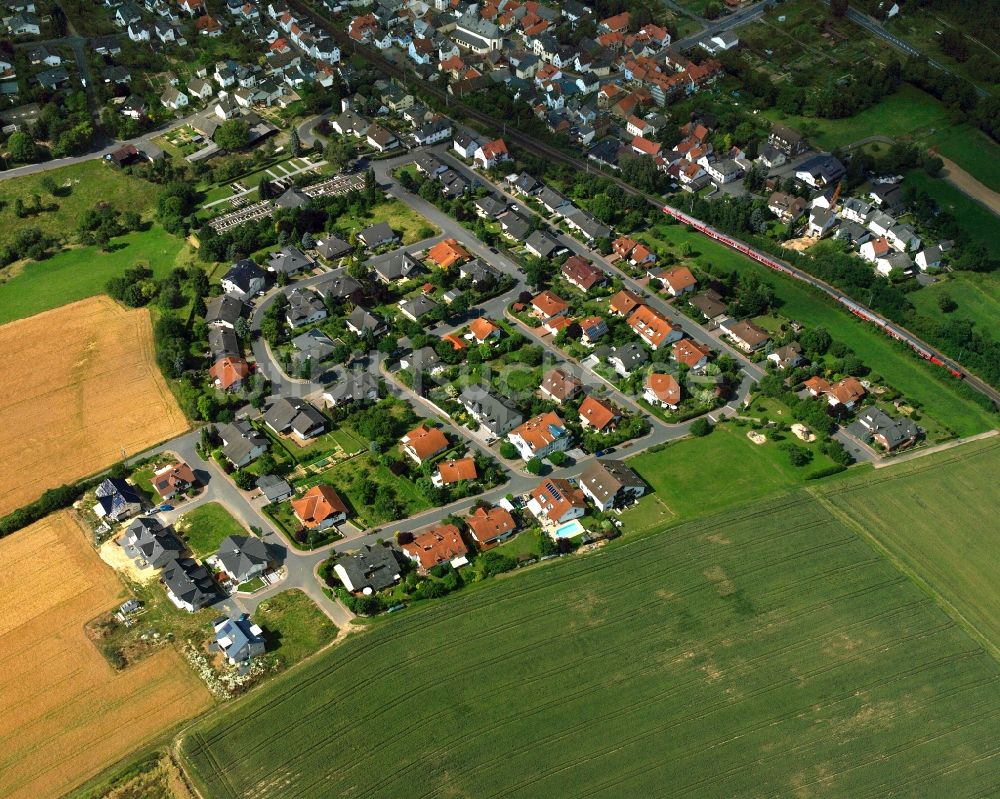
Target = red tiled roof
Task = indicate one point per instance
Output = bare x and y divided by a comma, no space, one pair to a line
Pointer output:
489,525
457,469
690,352
425,441
596,413
664,387
317,505
440,545
229,371
678,278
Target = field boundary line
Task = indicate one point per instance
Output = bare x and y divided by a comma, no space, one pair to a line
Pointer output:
913,574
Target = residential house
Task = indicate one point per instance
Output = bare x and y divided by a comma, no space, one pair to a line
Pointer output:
691,353
652,328
189,584
890,434
497,414
820,171
787,207
821,221
490,154
377,235
438,546
397,266
339,287
116,500
332,247
243,557
745,335
556,501
150,543
597,415
856,210
417,307
490,527
320,508
380,138
624,303
610,484
242,443
465,145
930,257
627,358
423,443
845,392
489,207
172,479
244,279
541,244
894,262
454,470
373,568
295,415
229,372
547,305
289,260
239,639
304,308
592,328
583,274
678,280
274,488
560,386
787,357
724,171
540,436
662,389
903,238
711,306
482,330
875,249
446,254
787,140
356,386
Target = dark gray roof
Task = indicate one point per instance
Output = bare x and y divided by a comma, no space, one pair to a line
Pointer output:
303,304
240,554
222,343
375,567
239,639
630,355
478,271
355,386
273,487
376,234
189,581
398,265
363,321
491,206
338,286
418,306
541,242
289,260
494,413
516,225
148,539
874,420
332,247
590,226
240,438
293,413
605,478
294,197
243,272
314,344
224,308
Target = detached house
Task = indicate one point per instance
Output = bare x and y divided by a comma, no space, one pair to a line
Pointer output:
441,545
745,335
489,527
423,443
244,279
678,280
295,415
556,501
490,154
371,569
547,305
242,443
610,484
540,436
189,584
662,389
844,392
496,414
598,415
243,557
116,500
582,274
173,479
559,386
319,508
653,328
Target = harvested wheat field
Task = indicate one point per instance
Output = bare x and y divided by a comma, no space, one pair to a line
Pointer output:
65,714
81,385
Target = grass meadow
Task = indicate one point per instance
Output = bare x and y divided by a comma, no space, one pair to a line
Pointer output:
952,535
931,387
82,272
204,528
769,651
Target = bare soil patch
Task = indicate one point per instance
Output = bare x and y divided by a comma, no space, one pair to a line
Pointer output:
81,386
967,184
65,714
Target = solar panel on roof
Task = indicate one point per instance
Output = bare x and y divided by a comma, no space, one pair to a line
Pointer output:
555,494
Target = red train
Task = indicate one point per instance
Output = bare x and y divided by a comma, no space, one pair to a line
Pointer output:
858,310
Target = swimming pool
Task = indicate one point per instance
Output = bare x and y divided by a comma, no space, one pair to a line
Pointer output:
569,529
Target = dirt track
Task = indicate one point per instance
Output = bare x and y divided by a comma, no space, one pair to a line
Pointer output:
967,184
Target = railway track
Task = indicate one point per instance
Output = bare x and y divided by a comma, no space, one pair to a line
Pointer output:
898,332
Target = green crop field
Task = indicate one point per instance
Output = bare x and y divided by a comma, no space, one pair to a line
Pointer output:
205,527
927,385
82,186
684,475
83,272
765,652
952,535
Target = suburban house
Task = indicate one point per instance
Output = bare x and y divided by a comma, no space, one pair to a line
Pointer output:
189,584
787,140
627,358
821,221
592,329
624,303
441,545
692,354
295,415
820,171
678,280
556,501
362,323
241,443
489,527
305,307
610,484
224,311
356,386
786,357
146,540
662,389
417,307
229,372
711,306
844,392
890,434
371,569
875,249
541,244
398,266
243,557
239,639
332,247
598,415
446,254
653,328
424,442
117,499
482,330
453,471
582,273
547,305
787,207
319,508
274,488
745,335
490,154
558,385
289,260
173,479
244,279
377,235
540,436
494,413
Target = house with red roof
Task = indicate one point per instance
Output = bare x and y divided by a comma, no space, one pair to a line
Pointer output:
454,471
320,507
490,154
663,390
598,415
652,328
490,527
424,442
691,353
547,305
229,373
678,280
441,545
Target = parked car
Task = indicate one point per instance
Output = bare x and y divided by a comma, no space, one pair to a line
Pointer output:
165,507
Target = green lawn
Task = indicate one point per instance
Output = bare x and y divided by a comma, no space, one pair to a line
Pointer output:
401,218
920,382
86,184
977,296
695,476
204,528
765,652
83,272
293,626
975,219
952,535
